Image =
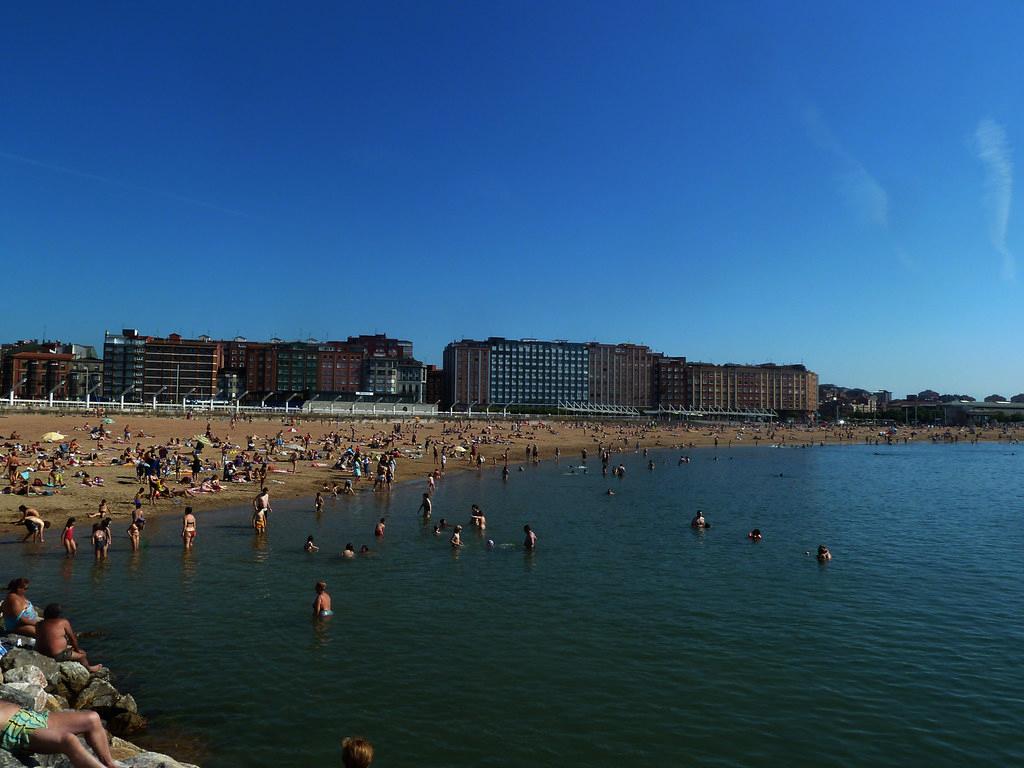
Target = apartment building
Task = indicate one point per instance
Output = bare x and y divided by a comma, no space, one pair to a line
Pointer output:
124,362
176,368
787,389
622,374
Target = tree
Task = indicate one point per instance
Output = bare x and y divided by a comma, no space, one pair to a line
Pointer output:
995,399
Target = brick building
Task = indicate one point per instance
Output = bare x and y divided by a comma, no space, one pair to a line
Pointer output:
176,369
787,389
622,374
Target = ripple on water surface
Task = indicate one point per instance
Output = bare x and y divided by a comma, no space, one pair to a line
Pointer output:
625,639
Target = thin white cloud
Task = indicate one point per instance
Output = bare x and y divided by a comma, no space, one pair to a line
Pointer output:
863,192
861,189
123,184
991,147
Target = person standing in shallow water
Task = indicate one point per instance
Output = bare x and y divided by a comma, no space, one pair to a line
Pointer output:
188,528
530,542
322,603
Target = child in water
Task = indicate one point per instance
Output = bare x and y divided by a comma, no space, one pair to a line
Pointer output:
68,538
310,546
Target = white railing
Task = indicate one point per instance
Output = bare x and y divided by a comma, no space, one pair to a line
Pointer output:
311,408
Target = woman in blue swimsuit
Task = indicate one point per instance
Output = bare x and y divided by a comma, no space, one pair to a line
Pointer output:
19,614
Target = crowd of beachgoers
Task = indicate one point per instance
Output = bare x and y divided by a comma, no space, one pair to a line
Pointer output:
100,469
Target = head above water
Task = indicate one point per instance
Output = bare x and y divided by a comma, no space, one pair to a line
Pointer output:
356,753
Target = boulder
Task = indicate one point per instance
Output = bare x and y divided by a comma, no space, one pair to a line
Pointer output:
127,703
120,749
25,695
56,703
24,657
26,674
74,675
99,693
151,760
126,723
7,760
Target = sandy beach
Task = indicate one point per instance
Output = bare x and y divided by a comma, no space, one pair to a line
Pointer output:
313,470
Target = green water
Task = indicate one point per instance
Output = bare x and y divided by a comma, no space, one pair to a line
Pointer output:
625,639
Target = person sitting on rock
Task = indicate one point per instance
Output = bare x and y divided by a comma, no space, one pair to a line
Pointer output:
25,731
56,638
18,612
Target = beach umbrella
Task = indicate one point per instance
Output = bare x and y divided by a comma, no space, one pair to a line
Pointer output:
203,439
108,420
53,437
460,449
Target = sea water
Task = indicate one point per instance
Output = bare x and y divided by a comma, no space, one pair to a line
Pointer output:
626,638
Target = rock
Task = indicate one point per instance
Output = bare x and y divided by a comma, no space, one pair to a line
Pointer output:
55,703
99,693
24,695
127,703
23,657
7,760
120,749
126,723
151,760
26,674
74,675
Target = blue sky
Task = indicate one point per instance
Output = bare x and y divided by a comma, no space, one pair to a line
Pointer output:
827,183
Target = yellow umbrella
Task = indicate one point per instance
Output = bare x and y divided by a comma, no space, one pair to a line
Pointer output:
53,437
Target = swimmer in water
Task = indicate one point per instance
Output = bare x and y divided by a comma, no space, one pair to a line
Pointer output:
379,530
322,603
310,546
444,524
530,542
318,503
698,522
610,492
427,506
754,535
437,530
823,553
477,517
349,550
456,539
364,550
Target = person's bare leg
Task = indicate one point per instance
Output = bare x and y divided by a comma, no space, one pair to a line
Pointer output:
89,725
50,741
82,659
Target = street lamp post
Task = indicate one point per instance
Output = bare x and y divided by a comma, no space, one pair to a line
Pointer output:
88,394
132,387
158,393
19,385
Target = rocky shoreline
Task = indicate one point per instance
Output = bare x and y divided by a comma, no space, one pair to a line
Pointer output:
34,681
